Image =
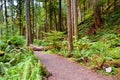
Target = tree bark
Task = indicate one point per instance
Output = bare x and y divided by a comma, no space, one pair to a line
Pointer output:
6,21
70,45
97,15
28,36
32,21
75,19
12,14
20,15
50,14
84,4
46,21
55,20
72,17
2,17
60,16
79,13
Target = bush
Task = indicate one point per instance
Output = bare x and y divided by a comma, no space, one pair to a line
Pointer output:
17,40
54,38
20,64
2,44
41,43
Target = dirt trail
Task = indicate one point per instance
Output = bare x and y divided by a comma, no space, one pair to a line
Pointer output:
63,69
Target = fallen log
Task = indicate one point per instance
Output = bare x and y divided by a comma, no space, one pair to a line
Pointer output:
115,63
40,48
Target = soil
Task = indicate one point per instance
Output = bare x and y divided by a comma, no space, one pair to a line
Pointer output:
64,69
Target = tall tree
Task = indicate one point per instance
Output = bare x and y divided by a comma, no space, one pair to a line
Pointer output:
55,16
97,15
20,15
6,20
46,16
75,22
68,6
12,14
72,17
60,16
28,30
50,14
1,16
32,20
79,13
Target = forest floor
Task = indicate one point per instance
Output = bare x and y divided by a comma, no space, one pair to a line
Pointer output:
64,69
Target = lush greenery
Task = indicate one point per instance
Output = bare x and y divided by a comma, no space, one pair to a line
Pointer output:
91,50
18,63
92,38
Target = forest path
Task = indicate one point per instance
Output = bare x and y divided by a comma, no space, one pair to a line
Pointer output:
63,69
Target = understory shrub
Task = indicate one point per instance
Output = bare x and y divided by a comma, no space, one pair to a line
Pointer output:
17,62
19,65
54,38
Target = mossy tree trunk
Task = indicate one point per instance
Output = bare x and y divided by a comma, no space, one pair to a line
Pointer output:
60,16
70,45
20,15
75,22
97,15
6,18
28,30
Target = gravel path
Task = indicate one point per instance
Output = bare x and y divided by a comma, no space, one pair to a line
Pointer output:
63,69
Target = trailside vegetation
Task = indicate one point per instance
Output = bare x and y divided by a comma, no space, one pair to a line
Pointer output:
86,31
17,62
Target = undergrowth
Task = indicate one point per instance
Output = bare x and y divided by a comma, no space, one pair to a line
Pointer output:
17,62
91,50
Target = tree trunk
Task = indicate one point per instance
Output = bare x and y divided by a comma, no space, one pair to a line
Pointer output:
60,17
75,19
6,21
20,15
2,17
79,13
55,20
84,9
32,21
12,14
28,36
72,18
50,14
97,15
46,21
70,45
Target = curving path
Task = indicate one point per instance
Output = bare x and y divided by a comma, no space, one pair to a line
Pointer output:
63,69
